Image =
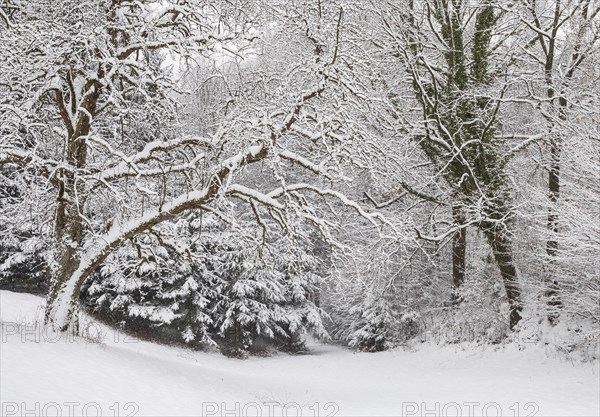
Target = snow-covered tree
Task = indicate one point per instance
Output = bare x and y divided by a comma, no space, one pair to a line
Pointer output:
76,79
454,56
561,46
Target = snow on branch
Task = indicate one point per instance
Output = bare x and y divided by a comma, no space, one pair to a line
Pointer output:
377,219
304,163
254,195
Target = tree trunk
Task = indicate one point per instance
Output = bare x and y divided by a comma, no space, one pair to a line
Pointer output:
233,346
551,293
501,245
63,296
62,301
459,246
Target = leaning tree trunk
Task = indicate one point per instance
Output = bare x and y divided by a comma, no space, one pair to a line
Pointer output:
63,294
499,239
62,300
62,303
459,245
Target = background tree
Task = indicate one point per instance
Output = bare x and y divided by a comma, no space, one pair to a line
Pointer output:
455,58
564,34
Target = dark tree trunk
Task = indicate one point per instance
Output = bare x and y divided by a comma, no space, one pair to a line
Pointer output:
459,246
501,245
552,297
233,343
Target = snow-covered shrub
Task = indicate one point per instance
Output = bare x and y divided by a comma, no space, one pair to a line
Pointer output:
22,247
374,324
218,289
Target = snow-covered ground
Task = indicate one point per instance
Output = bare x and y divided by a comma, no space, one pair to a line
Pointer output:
123,376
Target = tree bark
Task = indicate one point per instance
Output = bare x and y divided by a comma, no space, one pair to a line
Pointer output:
553,301
501,245
234,341
66,261
459,246
71,198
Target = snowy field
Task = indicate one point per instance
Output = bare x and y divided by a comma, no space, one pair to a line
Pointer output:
123,376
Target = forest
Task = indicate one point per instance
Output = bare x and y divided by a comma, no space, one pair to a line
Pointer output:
241,175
